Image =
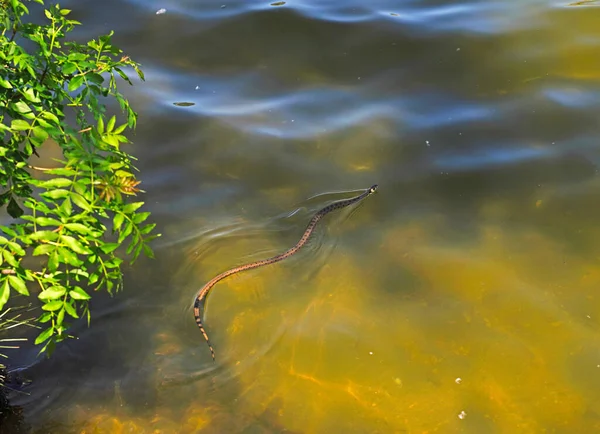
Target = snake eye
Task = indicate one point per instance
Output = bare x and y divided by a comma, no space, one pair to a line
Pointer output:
373,189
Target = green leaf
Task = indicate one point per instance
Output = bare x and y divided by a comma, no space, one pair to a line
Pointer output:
77,272
30,95
43,249
80,201
66,207
62,171
31,143
9,231
109,286
42,123
44,235
53,305
137,251
140,217
111,140
148,251
48,348
93,278
52,293
21,107
109,247
19,125
56,194
95,78
75,83
125,232
129,208
16,248
140,73
5,83
46,316
44,336
8,257
131,246
114,262
100,127
74,245
79,294
120,129
46,221
68,257
4,294
71,310
69,68
147,229
76,57
118,221
79,228
81,188
50,117
18,284
40,133
55,183
60,317
111,124
53,261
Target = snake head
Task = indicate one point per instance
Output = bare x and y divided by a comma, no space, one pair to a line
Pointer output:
373,189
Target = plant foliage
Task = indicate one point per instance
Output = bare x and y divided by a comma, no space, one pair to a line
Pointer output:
70,219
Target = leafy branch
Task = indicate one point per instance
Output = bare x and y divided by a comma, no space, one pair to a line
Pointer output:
71,219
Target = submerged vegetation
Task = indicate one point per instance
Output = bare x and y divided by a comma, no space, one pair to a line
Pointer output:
72,223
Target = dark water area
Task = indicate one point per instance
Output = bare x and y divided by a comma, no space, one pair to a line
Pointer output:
461,298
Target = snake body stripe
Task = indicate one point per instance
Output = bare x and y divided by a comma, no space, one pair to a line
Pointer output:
203,293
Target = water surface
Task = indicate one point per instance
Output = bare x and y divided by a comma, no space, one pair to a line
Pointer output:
462,298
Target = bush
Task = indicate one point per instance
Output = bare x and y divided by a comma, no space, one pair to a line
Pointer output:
70,219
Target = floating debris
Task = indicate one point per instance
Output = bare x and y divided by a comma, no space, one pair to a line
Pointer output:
161,11
184,104
278,4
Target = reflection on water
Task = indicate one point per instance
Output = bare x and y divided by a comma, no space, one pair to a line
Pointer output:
462,298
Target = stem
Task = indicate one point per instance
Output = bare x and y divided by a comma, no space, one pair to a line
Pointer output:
42,169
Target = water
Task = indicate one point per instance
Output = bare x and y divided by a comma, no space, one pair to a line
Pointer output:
462,298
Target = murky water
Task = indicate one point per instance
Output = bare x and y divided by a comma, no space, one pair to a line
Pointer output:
462,298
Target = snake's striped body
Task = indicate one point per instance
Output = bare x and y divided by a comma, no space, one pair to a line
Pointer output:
203,293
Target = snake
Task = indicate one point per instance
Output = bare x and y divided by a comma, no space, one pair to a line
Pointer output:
202,294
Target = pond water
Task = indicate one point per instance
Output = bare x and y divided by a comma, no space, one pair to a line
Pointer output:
461,298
